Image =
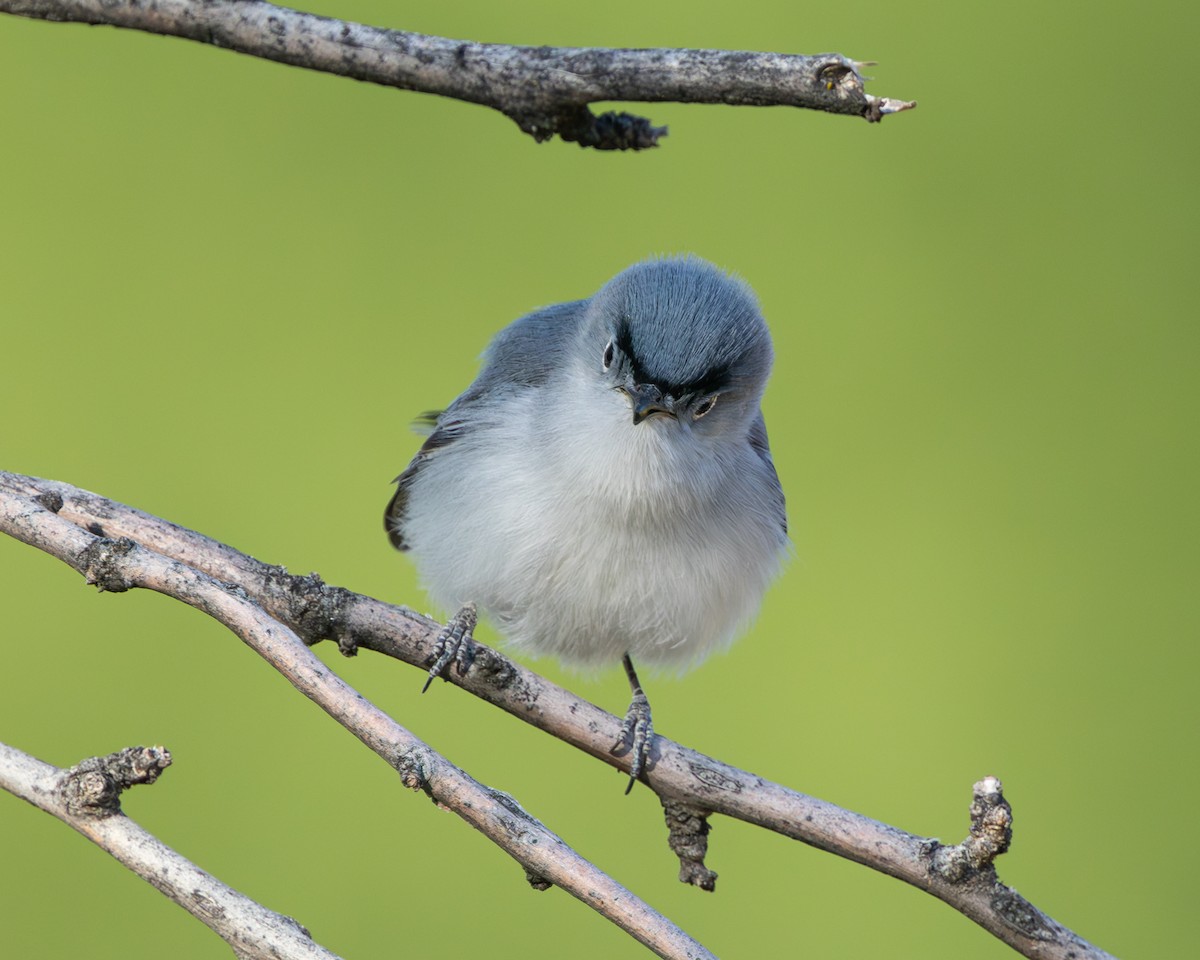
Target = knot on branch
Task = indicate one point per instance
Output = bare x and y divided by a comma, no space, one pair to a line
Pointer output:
537,881
50,500
841,76
687,836
102,564
93,787
498,672
608,131
415,767
990,835
842,79
318,611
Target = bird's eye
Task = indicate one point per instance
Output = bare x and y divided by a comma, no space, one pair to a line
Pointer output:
607,359
705,406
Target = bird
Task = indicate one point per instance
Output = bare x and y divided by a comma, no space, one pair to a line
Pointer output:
604,490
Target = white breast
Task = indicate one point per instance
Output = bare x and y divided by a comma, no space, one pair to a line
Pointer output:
585,537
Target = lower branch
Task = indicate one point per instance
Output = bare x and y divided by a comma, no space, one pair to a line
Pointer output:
86,798
691,785
546,90
117,565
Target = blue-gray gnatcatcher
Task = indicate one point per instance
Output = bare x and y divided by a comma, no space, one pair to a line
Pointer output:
604,490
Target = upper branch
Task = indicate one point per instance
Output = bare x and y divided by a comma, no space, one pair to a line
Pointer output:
546,90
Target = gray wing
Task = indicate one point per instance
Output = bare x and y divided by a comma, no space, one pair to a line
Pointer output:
523,355
760,445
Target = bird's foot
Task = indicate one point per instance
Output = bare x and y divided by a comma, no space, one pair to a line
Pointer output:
637,733
454,644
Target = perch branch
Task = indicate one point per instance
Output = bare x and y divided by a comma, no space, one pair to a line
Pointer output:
86,797
117,565
691,785
545,90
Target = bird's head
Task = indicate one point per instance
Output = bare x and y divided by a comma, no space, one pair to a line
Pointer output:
680,341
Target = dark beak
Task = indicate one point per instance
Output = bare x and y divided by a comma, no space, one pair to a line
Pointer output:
646,401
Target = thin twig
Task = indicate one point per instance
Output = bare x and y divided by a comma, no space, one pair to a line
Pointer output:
545,90
691,784
85,798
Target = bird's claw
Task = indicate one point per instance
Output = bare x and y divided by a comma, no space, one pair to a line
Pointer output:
637,733
455,644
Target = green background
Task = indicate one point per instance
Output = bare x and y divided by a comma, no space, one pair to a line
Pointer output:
227,287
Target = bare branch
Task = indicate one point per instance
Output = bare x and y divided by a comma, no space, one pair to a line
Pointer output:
545,90
121,564
85,798
691,785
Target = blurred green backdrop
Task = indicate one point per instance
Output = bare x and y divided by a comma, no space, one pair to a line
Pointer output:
227,286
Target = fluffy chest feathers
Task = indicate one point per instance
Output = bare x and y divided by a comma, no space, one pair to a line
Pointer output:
585,536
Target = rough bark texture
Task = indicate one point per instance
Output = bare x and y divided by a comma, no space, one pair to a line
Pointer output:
545,90
221,581
120,563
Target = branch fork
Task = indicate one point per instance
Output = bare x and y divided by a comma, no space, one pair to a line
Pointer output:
118,547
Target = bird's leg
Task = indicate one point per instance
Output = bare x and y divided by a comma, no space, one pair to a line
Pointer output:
637,731
454,643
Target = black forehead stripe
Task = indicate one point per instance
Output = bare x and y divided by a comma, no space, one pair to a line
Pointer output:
713,379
